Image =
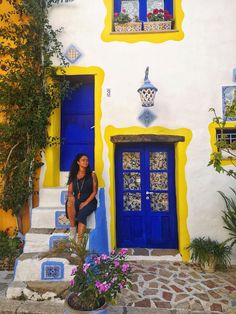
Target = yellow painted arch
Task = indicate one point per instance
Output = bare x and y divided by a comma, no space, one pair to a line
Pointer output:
181,186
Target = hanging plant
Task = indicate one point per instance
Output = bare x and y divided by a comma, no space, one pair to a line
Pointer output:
30,91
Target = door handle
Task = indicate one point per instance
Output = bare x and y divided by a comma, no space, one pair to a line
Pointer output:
147,193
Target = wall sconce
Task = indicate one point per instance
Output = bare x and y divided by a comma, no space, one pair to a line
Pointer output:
147,91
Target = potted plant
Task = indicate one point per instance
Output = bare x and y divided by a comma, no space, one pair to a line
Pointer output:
124,24
210,254
96,279
158,20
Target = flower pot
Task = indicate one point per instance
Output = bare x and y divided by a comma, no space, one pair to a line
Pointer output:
69,310
157,26
210,265
128,27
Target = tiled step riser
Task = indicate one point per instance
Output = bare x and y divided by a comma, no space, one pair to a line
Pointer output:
39,243
54,218
42,242
46,269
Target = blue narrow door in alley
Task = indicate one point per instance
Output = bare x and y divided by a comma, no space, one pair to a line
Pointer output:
77,121
145,196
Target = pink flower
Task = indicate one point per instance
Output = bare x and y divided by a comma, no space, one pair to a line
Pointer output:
117,264
116,14
125,267
120,285
97,284
114,279
104,257
113,252
73,271
85,267
123,10
102,287
97,260
123,251
72,282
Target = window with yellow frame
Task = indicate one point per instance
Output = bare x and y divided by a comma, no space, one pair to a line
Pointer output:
146,20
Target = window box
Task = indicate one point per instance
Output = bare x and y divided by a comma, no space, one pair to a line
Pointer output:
128,27
157,26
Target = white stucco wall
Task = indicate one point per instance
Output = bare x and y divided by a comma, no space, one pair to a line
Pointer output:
189,75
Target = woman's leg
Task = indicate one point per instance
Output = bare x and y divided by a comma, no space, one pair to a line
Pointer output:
81,231
71,215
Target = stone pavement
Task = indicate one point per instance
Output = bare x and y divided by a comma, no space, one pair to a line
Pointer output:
165,287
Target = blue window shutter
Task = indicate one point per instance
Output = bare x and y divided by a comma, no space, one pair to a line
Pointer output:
143,10
169,6
117,6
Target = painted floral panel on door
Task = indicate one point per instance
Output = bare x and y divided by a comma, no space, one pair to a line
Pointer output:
131,160
132,201
131,181
158,181
159,202
158,161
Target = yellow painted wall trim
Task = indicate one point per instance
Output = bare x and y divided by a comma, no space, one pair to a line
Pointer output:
181,186
107,34
52,154
212,130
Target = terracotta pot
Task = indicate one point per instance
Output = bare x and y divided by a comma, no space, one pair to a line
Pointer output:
69,310
210,266
157,26
128,27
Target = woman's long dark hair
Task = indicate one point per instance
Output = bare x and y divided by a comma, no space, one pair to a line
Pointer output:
74,168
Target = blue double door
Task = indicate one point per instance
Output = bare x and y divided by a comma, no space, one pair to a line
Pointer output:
145,196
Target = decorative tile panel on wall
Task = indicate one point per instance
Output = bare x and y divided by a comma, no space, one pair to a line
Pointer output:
54,240
147,117
60,220
52,271
72,54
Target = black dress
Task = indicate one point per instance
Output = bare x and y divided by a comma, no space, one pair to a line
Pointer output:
84,186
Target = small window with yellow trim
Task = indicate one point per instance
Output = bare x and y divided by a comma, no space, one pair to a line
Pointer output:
143,20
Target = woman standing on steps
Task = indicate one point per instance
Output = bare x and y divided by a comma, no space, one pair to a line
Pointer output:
82,189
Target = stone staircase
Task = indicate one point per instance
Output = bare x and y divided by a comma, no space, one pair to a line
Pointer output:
37,277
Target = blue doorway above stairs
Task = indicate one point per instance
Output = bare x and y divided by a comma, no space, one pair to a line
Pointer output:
77,121
145,196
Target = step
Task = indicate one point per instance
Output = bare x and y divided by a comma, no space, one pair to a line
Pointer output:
52,197
36,267
42,240
54,217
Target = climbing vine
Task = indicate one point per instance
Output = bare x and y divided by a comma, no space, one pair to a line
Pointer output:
30,89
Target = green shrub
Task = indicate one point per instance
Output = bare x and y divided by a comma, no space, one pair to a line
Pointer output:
10,248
